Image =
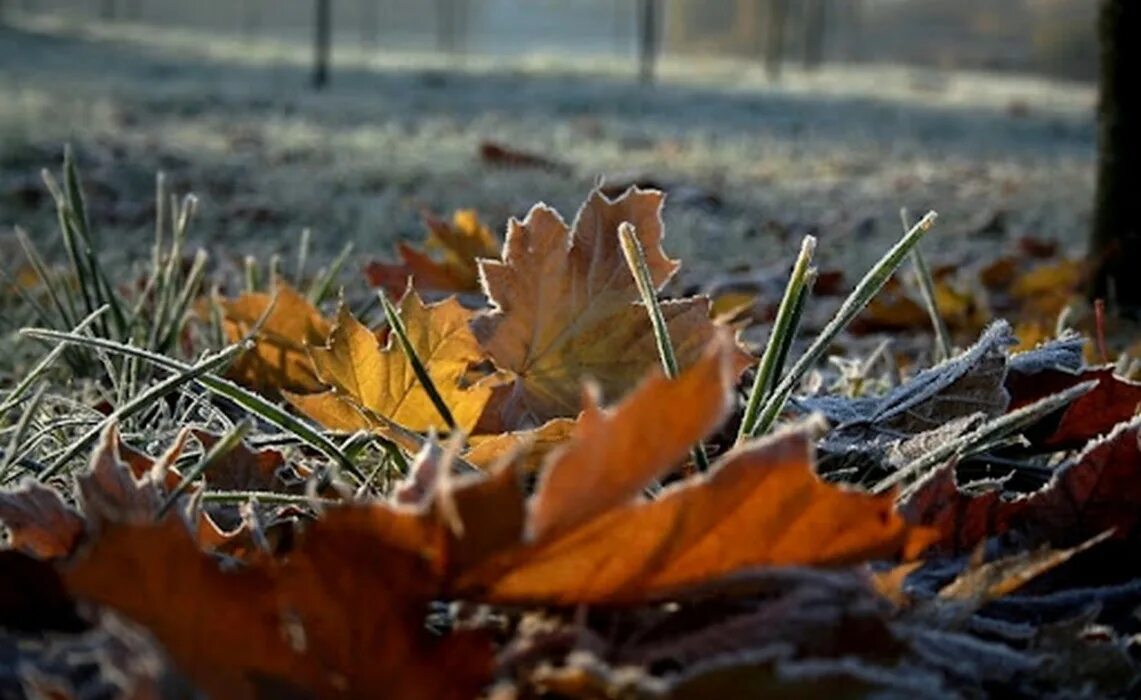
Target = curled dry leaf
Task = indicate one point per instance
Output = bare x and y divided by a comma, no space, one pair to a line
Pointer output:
761,505
381,380
565,308
460,244
38,521
1114,400
278,360
341,617
1097,491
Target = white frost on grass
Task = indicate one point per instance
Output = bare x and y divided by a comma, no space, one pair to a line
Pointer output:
835,152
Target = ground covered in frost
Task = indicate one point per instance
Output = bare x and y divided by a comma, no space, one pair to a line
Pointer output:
751,165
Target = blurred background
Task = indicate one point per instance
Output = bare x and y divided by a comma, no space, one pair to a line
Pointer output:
763,119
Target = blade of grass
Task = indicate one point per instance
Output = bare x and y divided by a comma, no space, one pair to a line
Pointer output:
13,454
264,497
302,255
640,269
67,314
76,210
141,401
323,285
218,386
784,328
190,289
867,288
397,326
225,444
978,439
72,246
927,291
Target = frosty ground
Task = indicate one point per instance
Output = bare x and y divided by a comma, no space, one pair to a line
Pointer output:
753,164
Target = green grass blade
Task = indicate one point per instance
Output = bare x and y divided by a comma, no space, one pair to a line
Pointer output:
640,269
141,401
986,434
927,291
784,328
397,326
230,440
867,288
218,386
323,285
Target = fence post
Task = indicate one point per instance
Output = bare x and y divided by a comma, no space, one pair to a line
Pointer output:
648,41
322,31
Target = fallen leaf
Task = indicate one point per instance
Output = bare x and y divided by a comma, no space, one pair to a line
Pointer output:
333,620
564,308
461,243
1112,401
933,406
279,360
1046,289
38,521
528,448
981,584
381,381
505,156
1096,491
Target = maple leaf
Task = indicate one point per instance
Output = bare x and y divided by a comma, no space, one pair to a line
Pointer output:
341,617
586,540
564,307
1096,491
363,375
461,243
279,359
527,448
1112,401
38,521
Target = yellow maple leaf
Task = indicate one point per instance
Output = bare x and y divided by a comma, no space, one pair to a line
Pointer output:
279,359
363,375
565,307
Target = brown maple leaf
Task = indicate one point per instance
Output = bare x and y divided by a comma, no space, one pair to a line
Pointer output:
565,308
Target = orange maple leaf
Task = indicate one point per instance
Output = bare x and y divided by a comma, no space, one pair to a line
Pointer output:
279,359
460,243
565,308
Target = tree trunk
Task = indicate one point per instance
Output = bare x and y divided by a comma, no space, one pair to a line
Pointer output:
1115,241
322,42
250,17
370,23
648,41
776,17
815,24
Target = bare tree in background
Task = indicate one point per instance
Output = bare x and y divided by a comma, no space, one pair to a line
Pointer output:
648,41
322,42
1115,241
451,25
814,23
249,16
369,22
776,19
